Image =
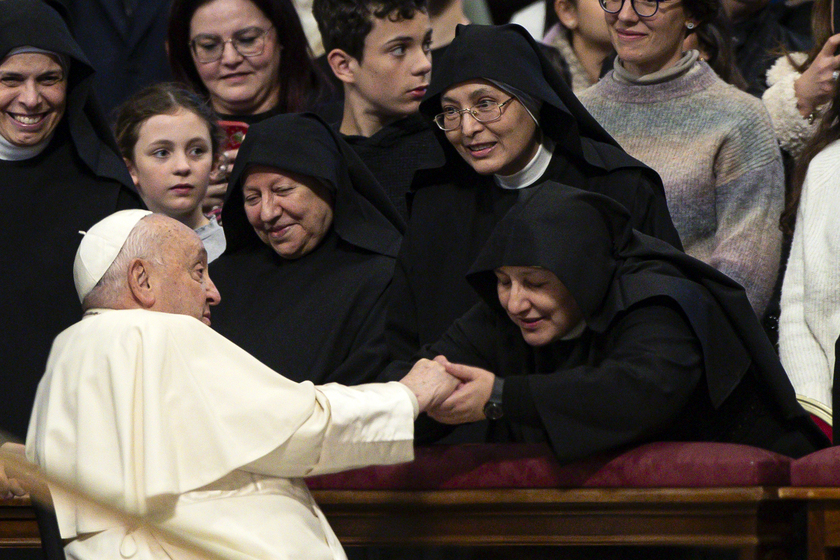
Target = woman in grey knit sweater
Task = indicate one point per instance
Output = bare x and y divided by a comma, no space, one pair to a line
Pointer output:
712,144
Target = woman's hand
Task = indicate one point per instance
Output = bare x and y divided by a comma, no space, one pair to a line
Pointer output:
817,84
466,404
215,196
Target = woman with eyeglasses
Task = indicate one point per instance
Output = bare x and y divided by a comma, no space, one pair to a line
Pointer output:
250,58
712,144
507,122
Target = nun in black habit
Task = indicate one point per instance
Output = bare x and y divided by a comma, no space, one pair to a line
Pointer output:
60,173
636,342
487,164
316,314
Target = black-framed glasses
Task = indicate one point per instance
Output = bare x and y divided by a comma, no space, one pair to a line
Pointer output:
483,111
247,42
643,8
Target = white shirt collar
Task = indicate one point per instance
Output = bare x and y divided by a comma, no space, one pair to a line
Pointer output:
10,152
532,172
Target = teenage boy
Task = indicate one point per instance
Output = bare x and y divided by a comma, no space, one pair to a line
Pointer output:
380,51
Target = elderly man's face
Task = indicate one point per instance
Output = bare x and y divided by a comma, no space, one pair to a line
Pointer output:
181,283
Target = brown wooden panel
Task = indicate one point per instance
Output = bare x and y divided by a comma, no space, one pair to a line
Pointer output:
710,517
18,527
823,505
748,518
831,521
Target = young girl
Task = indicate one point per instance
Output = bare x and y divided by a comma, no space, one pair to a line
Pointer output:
170,140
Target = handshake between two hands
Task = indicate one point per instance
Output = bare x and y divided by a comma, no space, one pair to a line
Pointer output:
450,393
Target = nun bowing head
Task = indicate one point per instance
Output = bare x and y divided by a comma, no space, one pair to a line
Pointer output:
574,234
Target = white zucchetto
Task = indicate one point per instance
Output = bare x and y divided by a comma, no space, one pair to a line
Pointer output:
100,246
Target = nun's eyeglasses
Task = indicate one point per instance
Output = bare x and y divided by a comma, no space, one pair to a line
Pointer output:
247,42
643,8
483,111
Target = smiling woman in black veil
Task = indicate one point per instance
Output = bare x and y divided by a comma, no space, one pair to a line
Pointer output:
507,122
60,173
311,244
590,335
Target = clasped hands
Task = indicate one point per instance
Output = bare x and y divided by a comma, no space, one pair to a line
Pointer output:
450,393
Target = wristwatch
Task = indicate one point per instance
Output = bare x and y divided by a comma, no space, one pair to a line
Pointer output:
493,407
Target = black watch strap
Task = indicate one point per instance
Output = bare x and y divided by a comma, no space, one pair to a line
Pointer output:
493,408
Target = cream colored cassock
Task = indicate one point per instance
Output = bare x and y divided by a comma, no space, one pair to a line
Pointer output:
160,415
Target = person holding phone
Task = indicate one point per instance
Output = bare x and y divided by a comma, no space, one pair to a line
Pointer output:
250,58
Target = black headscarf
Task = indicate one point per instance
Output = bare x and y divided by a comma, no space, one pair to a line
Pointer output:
586,240
34,23
305,144
508,54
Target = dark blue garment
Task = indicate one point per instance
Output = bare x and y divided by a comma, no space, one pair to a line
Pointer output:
758,40
125,47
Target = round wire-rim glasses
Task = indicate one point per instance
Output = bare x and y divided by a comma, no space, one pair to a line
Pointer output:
643,8
483,111
247,42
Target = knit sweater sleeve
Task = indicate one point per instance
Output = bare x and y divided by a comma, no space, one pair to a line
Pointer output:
810,319
749,197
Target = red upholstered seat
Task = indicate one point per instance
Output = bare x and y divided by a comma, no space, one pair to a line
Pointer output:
824,426
821,468
661,464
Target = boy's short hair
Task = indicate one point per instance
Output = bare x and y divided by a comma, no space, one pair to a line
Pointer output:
344,24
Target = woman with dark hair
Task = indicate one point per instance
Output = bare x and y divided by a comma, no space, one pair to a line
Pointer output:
281,78
250,58
809,324
311,244
507,122
60,173
713,40
712,144
590,335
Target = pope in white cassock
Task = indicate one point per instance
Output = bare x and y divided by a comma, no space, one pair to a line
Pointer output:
146,407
